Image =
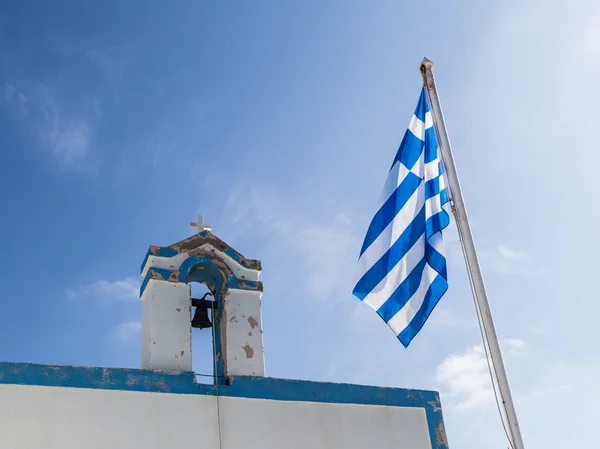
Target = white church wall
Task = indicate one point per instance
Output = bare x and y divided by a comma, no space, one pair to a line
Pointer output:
264,424
74,418
64,418
93,408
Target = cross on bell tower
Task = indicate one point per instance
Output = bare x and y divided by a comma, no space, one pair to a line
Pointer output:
200,226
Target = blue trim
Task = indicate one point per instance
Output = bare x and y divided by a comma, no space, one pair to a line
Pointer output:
163,274
218,359
98,378
170,251
233,254
246,387
192,262
160,251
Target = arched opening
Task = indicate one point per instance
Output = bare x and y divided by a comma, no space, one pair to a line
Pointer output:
203,350
207,281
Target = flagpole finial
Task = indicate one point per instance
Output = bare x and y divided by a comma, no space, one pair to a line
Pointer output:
426,66
427,63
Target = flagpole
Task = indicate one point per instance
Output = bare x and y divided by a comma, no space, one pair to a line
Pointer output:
464,229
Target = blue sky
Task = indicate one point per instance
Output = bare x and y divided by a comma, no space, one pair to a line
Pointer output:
278,121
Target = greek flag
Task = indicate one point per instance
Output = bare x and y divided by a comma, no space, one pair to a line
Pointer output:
402,265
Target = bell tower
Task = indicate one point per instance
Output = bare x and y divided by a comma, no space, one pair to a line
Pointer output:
234,298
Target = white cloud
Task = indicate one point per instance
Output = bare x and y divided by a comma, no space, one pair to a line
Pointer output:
322,251
127,332
506,260
443,318
513,346
15,100
64,131
68,139
512,254
554,392
124,290
464,378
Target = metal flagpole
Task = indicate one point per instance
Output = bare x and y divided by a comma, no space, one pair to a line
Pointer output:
464,229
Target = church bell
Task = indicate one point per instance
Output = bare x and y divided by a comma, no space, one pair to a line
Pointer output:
201,320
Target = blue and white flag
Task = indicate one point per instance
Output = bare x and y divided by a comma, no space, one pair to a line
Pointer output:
402,265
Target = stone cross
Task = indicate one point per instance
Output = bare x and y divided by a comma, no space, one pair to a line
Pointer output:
200,226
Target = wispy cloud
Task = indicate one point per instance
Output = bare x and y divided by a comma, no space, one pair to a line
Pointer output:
159,151
443,318
69,140
512,254
64,131
15,99
9,93
322,251
465,380
127,332
112,62
122,290
513,346
507,260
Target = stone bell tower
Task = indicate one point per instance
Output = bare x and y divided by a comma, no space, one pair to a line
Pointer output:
167,305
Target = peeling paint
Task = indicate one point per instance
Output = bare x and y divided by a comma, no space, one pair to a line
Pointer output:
249,351
441,441
435,406
200,260
197,240
208,237
253,322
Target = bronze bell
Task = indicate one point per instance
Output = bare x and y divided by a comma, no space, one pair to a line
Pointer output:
201,320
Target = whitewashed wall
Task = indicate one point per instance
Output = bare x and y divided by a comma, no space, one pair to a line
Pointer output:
35,417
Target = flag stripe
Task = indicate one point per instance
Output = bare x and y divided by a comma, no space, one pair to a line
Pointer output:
401,270
422,106
410,150
431,149
391,257
404,291
414,314
390,235
436,260
390,208
417,127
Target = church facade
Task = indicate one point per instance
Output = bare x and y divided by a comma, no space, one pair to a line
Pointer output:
162,405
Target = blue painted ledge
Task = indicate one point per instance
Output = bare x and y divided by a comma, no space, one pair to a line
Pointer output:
246,387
